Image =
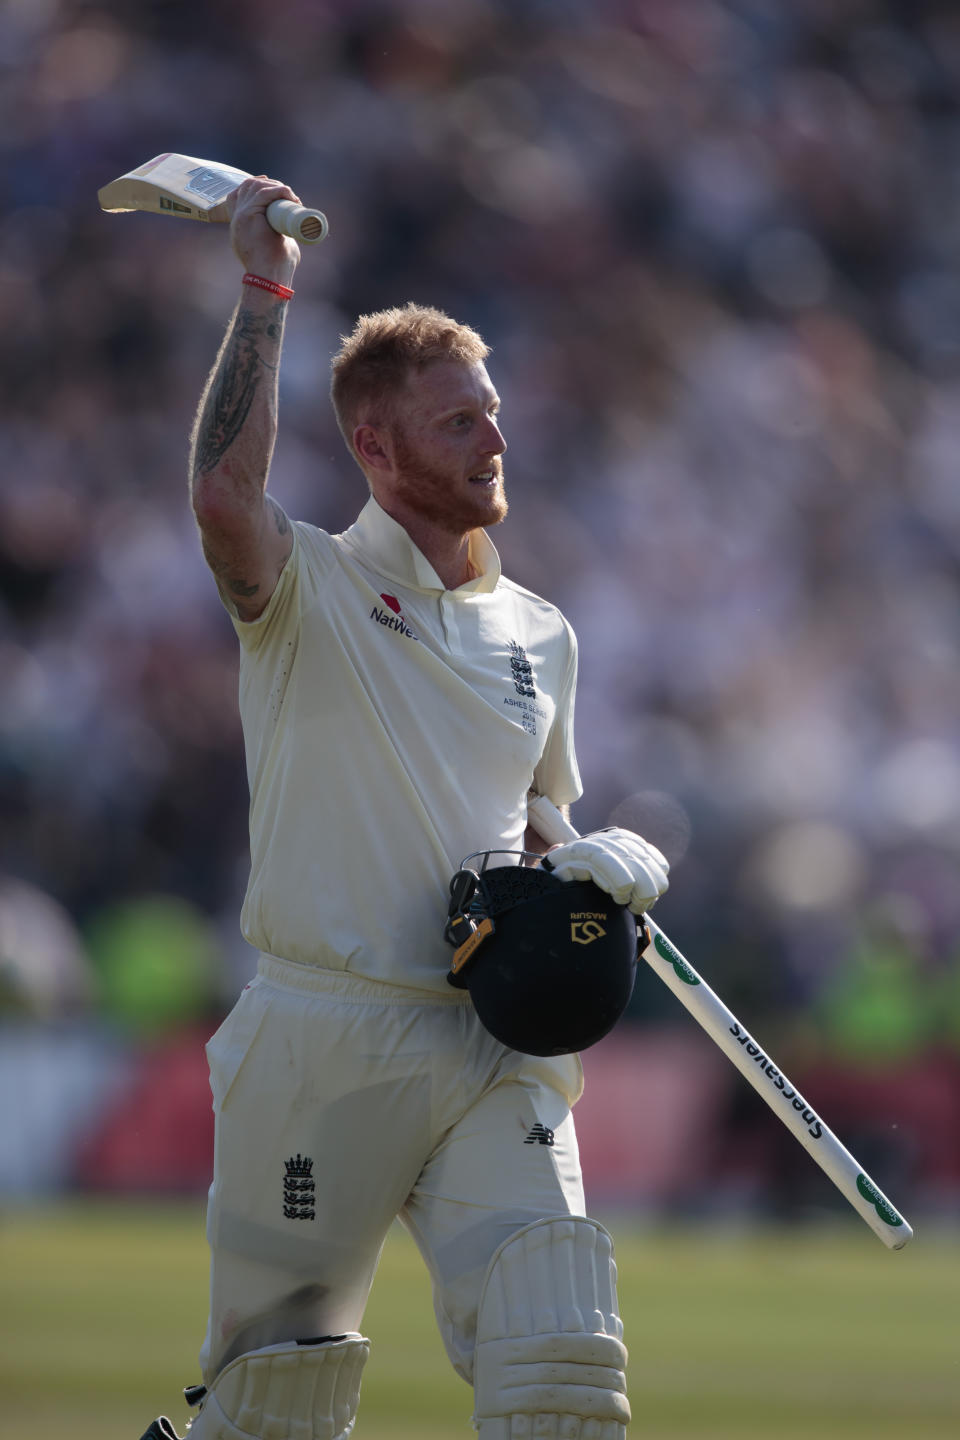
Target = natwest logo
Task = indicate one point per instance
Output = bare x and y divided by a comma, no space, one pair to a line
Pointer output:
393,621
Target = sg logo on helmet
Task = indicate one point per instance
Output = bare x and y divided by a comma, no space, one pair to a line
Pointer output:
584,932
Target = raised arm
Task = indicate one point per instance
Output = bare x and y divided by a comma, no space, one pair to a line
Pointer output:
246,536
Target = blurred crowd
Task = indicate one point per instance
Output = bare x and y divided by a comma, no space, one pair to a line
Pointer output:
713,245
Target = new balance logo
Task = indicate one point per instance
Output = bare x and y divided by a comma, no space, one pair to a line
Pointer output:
539,1135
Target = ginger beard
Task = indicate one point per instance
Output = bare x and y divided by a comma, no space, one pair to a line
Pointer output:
455,503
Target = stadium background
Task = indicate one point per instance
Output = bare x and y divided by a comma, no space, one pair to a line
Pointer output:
714,248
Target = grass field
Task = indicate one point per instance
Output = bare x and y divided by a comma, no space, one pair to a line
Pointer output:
818,1333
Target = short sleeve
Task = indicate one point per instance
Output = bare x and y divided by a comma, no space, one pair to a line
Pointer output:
557,775
309,563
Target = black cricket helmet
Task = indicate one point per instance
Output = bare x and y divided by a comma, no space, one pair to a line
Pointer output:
550,964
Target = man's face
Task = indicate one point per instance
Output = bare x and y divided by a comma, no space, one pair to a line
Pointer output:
447,447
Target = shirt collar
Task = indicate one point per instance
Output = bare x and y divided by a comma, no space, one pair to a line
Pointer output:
386,545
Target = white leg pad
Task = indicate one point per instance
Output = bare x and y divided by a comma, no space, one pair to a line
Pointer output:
550,1360
286,1392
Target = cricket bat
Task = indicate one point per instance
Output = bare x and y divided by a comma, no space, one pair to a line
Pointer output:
754,1064
197,190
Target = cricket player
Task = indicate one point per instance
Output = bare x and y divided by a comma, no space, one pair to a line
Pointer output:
400,698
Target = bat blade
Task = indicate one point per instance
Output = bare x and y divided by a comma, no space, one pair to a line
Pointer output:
192,189
180,185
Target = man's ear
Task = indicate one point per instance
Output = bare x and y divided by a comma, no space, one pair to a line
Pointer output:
373,447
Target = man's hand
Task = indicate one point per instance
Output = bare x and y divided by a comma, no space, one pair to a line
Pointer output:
256,244
628,868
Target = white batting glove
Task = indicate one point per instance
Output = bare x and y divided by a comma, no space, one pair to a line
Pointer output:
628,868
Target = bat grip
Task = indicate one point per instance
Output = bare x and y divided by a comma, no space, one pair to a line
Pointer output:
289,218
551,825
548,821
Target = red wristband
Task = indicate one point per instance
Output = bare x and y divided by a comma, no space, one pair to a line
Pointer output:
283,291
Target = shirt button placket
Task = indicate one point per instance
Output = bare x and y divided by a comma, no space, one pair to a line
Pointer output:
448,621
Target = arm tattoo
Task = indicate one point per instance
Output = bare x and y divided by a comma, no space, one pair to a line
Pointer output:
242,589
279,517
233,387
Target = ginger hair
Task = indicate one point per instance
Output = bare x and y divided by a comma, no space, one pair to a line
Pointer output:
371,367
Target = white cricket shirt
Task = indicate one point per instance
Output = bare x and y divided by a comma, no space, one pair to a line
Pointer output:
391,727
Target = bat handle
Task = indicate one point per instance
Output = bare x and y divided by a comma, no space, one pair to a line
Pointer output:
548,821
289,218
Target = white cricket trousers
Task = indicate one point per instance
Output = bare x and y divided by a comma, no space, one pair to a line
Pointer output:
342,1103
